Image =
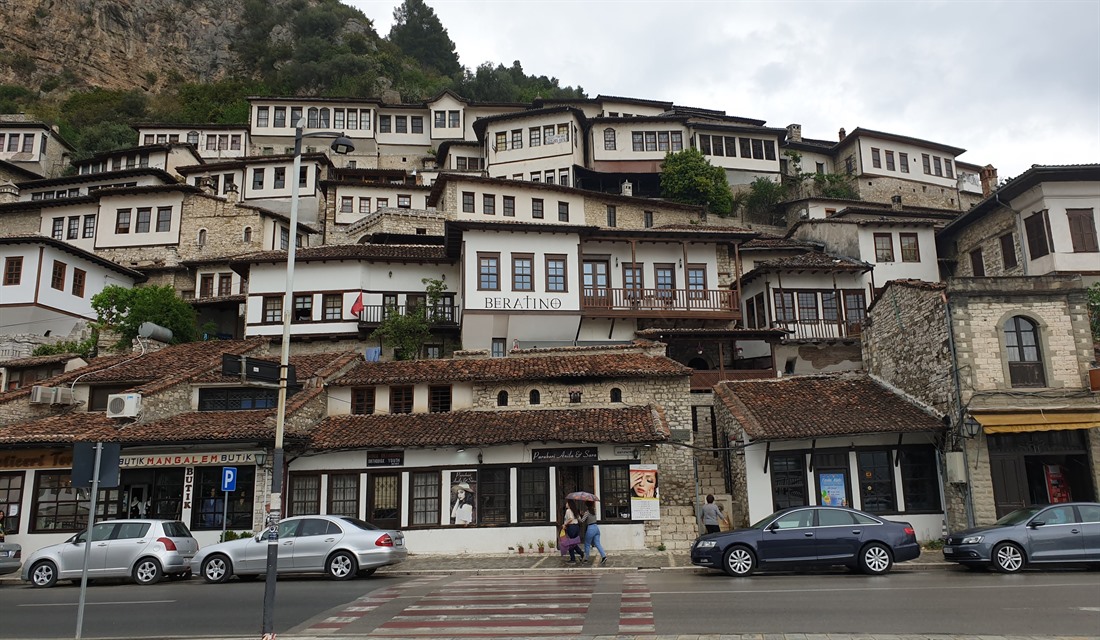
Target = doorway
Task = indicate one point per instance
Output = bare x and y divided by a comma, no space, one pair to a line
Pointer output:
384,500
1039,467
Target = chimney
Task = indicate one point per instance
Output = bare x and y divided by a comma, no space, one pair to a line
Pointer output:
895,202
794,133
628,188
843,133
8,193
989,180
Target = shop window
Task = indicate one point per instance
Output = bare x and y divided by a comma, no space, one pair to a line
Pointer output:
534,397
167,501
876,482
502,399
305,494
494,496
11,492
788,473
208,507
1025,364
920,479
362,401
425,498
59,506
534,494
343,494
614,493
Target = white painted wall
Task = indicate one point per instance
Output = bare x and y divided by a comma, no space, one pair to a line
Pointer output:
106,222
1056,198
927,269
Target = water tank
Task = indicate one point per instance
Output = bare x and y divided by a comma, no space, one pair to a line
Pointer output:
155,332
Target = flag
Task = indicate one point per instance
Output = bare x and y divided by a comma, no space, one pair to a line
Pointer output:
357,306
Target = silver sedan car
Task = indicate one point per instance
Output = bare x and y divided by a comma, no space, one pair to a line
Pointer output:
1067,533
145,550
340,546
10,557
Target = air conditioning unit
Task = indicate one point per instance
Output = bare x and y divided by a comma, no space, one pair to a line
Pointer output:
42,395
63,395
123,405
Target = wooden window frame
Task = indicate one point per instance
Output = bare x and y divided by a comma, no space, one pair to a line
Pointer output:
13,271
484,271
1082,230
440,398
425,498
332,501
1009,259
273,310
538,208
508,206
80,277
122,221
876,158
533,495
550,279
57,277
523,281
363,401
977,263
880,251
402,398
1037,229
914,254
332,306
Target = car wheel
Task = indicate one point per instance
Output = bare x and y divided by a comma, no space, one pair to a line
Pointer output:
216,569
1008,558
875,559
341,566
739,562
44,574
366,573
147,571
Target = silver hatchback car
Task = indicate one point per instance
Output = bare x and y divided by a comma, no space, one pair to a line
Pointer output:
145,550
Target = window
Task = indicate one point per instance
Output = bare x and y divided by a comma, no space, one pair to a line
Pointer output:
807,306
537,208
58,232
977,265
534,494
400,124
828,306
616,395
13,142
509,206
206,285
555,274
563,212
383,124
1008,251
89,226
401,399
501,141
122,221
903,161
439,398
273,309
311,118
164,219
338,118
467,202
849,165
633,280
876,159
534,397
305,494
201,239
696,281
650,140
910,248
303,308
784,306
517,139
563,177
453,120
926,162
262,116
647,219
295,116
614,493
343,494
534,138
210,506
303,177
889,160
489,204
364,205
425,494
57,281
494,496
920,479
502,398
1037,227
362,401
242,399
28,142
549,177
13,271
523,272
79,278
884,247
947,169
876,486
279,178
611,215
257,178
416,124
11,492
346,204
404,201
1025,366
788,474
938,168
439,119
636,142
1082,230
144,219
246,235
609,139
59,506
225,284
488,271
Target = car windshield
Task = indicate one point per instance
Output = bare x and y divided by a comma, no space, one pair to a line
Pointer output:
356,522
1019,516
760,524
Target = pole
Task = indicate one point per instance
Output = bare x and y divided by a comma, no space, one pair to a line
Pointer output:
88,539
275,514
225,513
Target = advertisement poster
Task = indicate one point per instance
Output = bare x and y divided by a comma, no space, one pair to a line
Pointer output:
1057,491
463,497
834,491
645,496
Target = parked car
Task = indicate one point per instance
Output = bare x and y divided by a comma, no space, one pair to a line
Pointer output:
340,546
11,557
145,550
809,536
1066,533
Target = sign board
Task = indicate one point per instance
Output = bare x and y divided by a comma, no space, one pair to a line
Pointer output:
212,458
573,454
385,458
256,369
645,503
84,464
626,452
229,479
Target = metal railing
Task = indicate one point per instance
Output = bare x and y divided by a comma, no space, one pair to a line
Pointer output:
438,315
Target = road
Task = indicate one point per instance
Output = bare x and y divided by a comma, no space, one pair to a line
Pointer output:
957,602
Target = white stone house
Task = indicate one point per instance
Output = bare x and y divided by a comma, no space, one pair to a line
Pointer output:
33,146
540,145
167,157
210,141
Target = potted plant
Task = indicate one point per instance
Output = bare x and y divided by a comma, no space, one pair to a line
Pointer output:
542,546
519,548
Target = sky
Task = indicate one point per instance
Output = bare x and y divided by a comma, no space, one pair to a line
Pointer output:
1015,83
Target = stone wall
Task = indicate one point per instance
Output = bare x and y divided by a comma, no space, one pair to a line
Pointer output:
913,193
412,222
23,223
985,233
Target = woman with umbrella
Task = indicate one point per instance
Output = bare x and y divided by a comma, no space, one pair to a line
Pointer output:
588,521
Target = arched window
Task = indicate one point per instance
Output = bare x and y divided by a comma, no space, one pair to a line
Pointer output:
247,234
202,237
502,399
193,137
534,397
609,139
324,118
616,395
311,118
1025,364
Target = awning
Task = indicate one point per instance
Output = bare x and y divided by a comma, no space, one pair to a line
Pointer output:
1037,421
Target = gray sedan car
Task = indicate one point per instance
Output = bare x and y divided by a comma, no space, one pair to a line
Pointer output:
340,546
145,550
1066,533
10,557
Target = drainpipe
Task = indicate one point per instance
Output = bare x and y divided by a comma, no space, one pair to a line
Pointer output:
948,314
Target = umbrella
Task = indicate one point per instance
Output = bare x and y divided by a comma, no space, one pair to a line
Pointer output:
583,496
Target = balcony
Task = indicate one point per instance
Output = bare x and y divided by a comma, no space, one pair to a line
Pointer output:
705,380
820,329
717,304
442,316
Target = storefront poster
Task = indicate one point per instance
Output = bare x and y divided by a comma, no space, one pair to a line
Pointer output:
463,497
834,491
645,503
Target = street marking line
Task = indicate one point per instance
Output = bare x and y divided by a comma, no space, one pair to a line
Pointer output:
73,604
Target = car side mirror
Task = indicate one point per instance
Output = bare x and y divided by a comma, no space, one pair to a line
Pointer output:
1036,523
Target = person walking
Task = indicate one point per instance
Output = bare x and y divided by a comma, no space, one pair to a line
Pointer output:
572,529
591,533
711,515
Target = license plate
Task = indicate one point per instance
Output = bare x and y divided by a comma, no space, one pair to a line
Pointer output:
399,543
947,550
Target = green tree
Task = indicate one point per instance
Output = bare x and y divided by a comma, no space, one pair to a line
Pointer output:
406,332
1094,311
419,34
762,204
123,310
84,348
687,176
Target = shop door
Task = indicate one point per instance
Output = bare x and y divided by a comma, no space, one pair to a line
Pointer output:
596,281
384,500
572,479
831,474
1009,483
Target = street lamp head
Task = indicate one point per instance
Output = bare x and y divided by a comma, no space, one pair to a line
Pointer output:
342,145
972,427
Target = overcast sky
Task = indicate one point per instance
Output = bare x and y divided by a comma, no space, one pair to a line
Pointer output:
1013,83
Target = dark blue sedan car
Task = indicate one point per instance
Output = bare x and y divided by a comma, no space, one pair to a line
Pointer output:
809,536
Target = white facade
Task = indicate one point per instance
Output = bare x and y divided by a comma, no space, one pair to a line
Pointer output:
210,143
1056,198
139,220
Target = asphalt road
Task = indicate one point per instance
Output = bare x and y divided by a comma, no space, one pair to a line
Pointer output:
950,602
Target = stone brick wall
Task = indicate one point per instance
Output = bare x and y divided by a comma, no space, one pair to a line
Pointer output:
21,223
631,215
985,233
913,193
389,220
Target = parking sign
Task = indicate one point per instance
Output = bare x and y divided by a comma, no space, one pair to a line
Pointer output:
229,478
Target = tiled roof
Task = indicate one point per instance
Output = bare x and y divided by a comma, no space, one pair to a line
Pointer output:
38,361
170,365
305,366
702,228
64,428
814,260
351,252
485,428
775,242
610,365
819,406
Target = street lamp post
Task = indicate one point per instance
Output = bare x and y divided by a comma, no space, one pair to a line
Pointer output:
340,145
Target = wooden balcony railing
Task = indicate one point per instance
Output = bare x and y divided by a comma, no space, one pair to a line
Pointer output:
716,303
704,380
442,315
821,329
